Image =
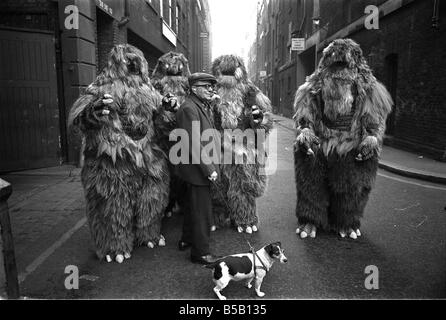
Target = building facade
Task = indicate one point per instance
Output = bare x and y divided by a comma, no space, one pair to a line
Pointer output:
52,50
406,52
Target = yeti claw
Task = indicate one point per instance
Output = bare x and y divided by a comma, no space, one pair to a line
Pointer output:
119,258
351,234
162,241
306,230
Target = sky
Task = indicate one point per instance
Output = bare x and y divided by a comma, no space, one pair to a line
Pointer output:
233,26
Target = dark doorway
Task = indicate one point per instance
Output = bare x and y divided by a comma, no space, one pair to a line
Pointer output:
391,63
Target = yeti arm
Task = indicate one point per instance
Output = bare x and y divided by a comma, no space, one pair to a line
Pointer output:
376,108
258,112
264,104
305,107
87,112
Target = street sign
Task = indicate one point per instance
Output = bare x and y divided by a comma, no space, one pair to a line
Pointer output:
297,44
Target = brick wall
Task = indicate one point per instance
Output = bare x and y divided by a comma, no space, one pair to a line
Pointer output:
420,108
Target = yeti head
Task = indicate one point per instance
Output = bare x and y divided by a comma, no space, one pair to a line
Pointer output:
172,64
230,65
341,54
127,62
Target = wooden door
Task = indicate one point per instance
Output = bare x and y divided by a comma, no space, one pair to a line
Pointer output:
29,114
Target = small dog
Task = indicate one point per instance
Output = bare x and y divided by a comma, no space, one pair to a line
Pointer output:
246,266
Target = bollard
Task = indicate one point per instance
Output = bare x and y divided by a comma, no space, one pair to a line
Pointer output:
8,269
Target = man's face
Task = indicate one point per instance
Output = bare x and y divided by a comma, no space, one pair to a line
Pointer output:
203,90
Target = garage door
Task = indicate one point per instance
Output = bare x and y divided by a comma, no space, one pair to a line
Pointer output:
29,114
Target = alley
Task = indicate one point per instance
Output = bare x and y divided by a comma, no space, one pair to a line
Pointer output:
403,236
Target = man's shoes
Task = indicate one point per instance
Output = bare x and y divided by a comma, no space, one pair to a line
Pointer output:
183,245
206,259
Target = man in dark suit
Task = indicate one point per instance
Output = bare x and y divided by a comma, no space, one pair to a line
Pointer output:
195,117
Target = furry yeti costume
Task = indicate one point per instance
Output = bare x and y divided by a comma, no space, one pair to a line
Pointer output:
242,106
340,117
125,175
170,77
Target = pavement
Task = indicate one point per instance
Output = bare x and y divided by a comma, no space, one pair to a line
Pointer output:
398,161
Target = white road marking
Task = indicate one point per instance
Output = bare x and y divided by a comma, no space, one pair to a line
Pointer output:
411,182
48,252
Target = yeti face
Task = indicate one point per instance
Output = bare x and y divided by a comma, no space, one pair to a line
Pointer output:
173,64
341,54
229,65
126,60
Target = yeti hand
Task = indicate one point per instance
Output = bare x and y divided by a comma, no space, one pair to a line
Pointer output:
170,102
213,176
306,141
101,108
257,114
215,99
368,148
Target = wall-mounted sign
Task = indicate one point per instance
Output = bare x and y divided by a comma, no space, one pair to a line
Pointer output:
297,44
114,8
262,74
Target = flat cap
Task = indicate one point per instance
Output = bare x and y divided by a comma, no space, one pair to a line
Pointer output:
201,77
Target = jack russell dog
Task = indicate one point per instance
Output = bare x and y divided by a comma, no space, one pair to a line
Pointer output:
246,266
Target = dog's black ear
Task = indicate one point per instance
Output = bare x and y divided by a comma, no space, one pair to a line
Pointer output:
269,249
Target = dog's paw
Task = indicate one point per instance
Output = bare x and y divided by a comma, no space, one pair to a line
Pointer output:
213,228
169,214
248,285
127,255
240,229
260,294
248,230
255,228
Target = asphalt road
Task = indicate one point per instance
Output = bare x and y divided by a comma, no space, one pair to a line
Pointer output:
404,236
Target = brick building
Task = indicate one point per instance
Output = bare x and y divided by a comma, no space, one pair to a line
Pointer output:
47,60
406,53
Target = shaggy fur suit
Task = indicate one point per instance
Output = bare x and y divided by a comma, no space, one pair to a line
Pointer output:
125,175
170,76
234,200
340,115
